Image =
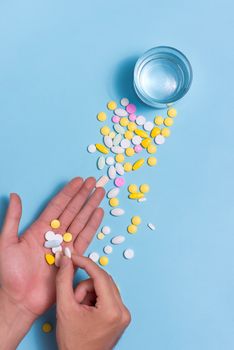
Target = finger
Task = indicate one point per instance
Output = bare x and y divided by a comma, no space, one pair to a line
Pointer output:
77,202
85,237
58,204
64,281
85,292
12,220
101,280
84,215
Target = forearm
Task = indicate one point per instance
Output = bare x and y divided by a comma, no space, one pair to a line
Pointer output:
15,322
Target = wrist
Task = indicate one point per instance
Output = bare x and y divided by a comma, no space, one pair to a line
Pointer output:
15,321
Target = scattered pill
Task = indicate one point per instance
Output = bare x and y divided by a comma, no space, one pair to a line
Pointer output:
136,195
136,220
151,161
128,254
113,192
132,126
101,162
49,235
144,188
108,249
52,244
50,259
101,116
91,148
125,143
131,108
136,140
103,260
151,149
119,169
143,199
146,142
138,164
117,149
110,161
165,132
151,226
112,134
100,236
106,230
114,202
67,237
168,121
129,152
148,126
112,172
94,256
108,141
132,117
159,139
117,139
127,167
102,181
119,158
124,121
124,102
141,133
119,129
132,188
128,135
155,131
115,119
118,240
117,212
121,112
101,148
55,223
67,252
47,327
111,105
158,120
138,148
132,229
57,250
140,120
119,181
105,130
172,112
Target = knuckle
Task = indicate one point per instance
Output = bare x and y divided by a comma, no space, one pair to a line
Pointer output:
114,317
126,317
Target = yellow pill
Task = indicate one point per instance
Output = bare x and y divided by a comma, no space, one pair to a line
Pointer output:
158,120
55,223
136,220
67,237
172,112
141,133
132,229
132,126
166,132
47,327
100,235
128,167
138,164
111,105
144,188
103,260
128,135
124,121
132,188
136,195
101,116
112,134
50,259
101,148
146,142
105,130
155,132
119,158
114,202
168,121
151,149
152,161
129,152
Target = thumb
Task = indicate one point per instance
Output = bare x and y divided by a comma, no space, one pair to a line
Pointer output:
64,282
12,219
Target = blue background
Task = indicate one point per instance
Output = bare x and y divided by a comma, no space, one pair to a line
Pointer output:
60,62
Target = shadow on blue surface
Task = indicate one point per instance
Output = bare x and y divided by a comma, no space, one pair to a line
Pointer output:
3,208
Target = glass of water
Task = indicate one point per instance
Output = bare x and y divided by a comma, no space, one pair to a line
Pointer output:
162,76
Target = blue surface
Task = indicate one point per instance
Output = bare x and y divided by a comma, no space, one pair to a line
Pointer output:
61,61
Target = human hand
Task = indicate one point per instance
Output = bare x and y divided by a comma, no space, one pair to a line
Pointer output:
93,317
25,277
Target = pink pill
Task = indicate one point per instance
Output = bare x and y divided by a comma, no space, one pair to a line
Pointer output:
132,117
115,119
138,148
131,108
119,181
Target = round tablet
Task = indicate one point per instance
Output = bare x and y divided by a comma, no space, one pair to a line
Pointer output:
159,139
136,220
103,260
100,236
92,148
55,223
144,188
94,256
131,108
152,161
125,143
158,120
129,152
140,120
172,112
115,119
101,116
128,253
111,105
132,117
108,249
110,161
114,202
119,181
132,188
128,167
47,327
132,229
132,126
128,135
105,130
168,121
124,121
106,230
151,149
67,237
136,140
148,126
124,102
119,158
166,132
138,148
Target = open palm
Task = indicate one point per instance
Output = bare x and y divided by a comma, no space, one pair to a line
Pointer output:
24,274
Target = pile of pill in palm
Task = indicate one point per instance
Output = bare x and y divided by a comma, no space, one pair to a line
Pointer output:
130,135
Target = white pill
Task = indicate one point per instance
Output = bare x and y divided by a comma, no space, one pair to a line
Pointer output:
117,149
140,120
117,139
119,169
118,239
121,112
52,243
112,172
159,139
106,230
113,192
119,129
143,199
58,237
117,212
67,252
92,148
57,249
148,126
108,141
128,253
108,249
94,256
136,140
58,257
101,163
151,226
125,143
124,102
110,161
102,181
49,235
